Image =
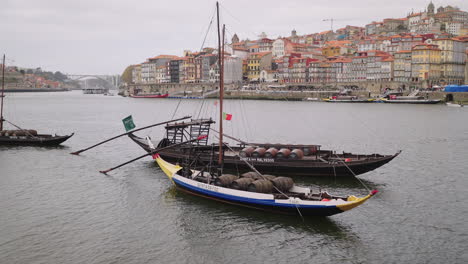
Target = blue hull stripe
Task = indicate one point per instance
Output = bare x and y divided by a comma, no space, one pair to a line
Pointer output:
251,201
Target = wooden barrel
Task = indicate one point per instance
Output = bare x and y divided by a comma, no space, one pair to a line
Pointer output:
20,133
261,186
32,132
258,152
283,183
268,177
283,153
296,154
225,180
246,152
250,174
271,153
241,183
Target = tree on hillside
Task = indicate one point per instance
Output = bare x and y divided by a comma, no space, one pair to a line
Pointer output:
127,74
60,76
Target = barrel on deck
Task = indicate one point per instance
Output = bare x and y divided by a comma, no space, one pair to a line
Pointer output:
261,186
268,177
225,180
250,174
296,154
246,152
283,183
258,152
271,152
283,153
241,183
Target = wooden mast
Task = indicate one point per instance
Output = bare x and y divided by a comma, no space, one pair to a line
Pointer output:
221,86
3,92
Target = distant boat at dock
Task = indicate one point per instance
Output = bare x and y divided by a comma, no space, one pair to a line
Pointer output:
149,95
348,99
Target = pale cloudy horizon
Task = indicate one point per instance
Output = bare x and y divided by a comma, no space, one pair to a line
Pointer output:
104,37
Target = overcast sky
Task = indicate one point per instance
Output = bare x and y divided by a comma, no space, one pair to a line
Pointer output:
105,36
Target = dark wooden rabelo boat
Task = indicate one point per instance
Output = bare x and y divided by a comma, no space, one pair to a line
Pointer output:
276,159
22,137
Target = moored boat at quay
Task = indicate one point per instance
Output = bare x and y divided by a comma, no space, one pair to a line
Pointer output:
348,99
409,100
149,95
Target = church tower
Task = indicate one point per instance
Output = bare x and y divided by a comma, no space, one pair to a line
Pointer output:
430,9
235,39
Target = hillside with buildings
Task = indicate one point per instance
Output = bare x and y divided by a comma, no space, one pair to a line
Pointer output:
24,79
420,50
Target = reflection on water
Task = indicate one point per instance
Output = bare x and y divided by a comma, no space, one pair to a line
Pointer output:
232,213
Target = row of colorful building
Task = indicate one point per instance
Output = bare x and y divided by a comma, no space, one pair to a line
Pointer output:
422,48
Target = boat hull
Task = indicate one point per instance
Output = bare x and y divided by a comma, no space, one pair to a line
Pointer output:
39,140
285,167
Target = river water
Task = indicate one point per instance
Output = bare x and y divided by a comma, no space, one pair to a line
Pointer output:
57,208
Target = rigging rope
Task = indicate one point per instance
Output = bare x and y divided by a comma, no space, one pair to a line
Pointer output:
355,176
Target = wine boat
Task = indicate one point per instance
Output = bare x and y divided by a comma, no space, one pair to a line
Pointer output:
276,159
20,136
266,193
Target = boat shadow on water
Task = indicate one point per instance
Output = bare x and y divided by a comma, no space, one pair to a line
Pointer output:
226,213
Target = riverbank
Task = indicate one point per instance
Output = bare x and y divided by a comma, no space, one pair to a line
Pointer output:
33,90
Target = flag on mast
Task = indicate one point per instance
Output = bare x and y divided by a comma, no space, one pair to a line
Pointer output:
128,123
227,116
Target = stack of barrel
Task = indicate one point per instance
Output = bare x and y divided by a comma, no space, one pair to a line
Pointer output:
272,152
253,182
18,133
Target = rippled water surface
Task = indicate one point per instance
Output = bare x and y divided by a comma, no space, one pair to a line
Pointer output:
57,208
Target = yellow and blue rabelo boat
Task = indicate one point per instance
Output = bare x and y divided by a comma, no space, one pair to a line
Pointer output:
264,192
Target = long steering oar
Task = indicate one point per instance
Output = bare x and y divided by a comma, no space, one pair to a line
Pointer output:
154,151
107,140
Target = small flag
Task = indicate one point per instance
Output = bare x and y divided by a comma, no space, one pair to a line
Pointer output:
128,123
215,103
227,116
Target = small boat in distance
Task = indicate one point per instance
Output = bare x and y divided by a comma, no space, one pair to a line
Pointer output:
149,95
348,99
409,100
21,137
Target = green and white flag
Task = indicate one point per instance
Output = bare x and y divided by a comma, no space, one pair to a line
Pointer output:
128,123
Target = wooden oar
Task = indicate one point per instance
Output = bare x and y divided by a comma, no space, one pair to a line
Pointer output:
154,151
158,124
